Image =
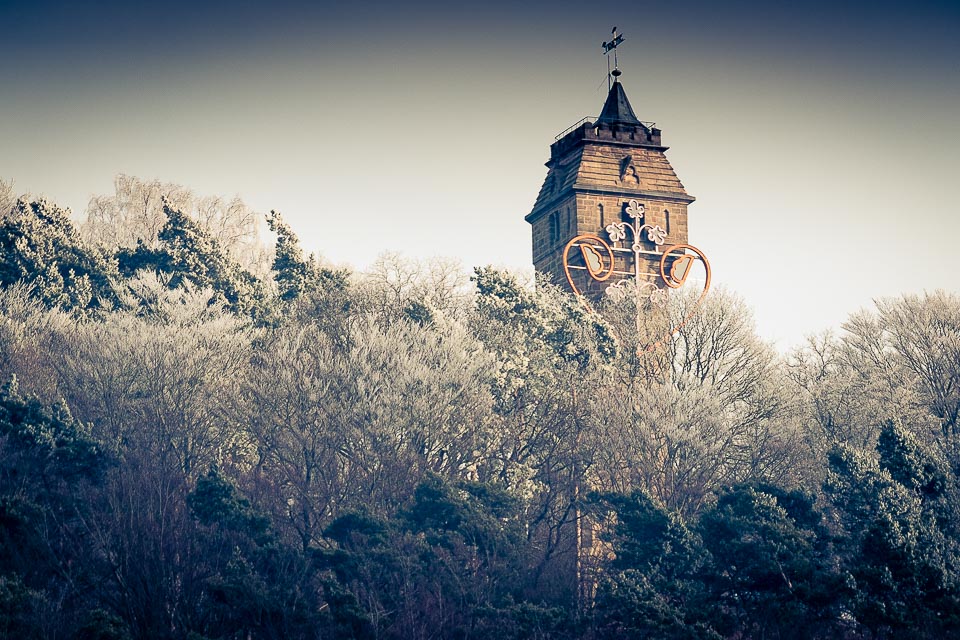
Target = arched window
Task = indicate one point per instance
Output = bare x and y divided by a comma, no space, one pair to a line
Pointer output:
603,223
666,220
554,227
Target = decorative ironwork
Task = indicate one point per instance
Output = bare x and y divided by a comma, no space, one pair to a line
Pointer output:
632,240
590,245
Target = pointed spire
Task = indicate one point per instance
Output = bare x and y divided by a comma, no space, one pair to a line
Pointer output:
617,109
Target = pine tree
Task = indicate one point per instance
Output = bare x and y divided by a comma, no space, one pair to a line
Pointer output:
899,519
770,572
652,586
188,255
40,246
304,285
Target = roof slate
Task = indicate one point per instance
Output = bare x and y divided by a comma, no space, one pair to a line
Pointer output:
617,109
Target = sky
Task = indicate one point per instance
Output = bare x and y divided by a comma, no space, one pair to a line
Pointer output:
821,139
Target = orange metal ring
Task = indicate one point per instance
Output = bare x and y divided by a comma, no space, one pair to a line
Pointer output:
593,239
677,247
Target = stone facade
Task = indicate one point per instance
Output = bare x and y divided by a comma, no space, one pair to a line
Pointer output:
593,172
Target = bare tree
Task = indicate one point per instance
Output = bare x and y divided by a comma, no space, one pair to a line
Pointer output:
292,409
923,333
159,380
708,406
7,198
899,362
26,332
844,390
338,426
135,213
394,283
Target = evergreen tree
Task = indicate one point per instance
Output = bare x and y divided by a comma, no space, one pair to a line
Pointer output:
652,587
898,514
770,572
187,254
304,285
254,586
448,565
49,469
40,246
293,274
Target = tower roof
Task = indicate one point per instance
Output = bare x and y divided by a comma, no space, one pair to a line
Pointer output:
617,109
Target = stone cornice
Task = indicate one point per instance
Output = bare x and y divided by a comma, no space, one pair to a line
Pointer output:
593,187
581,186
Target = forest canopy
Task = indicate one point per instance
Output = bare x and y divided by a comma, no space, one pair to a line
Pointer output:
202,436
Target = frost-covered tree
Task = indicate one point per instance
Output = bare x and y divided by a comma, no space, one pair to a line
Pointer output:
395,286
551,353
28,333
703,409
155,377
7,198
839,405
185,253
40,246
922,333
134,214
337,426
899,362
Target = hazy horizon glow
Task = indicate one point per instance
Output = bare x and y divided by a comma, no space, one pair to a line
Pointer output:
821,141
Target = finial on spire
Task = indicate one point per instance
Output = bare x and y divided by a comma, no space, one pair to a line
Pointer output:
616,39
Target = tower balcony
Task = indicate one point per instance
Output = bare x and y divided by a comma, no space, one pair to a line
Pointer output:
593,129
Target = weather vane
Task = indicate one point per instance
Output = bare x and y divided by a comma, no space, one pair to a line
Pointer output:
616,39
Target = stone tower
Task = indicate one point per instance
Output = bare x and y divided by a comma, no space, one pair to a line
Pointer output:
596,168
